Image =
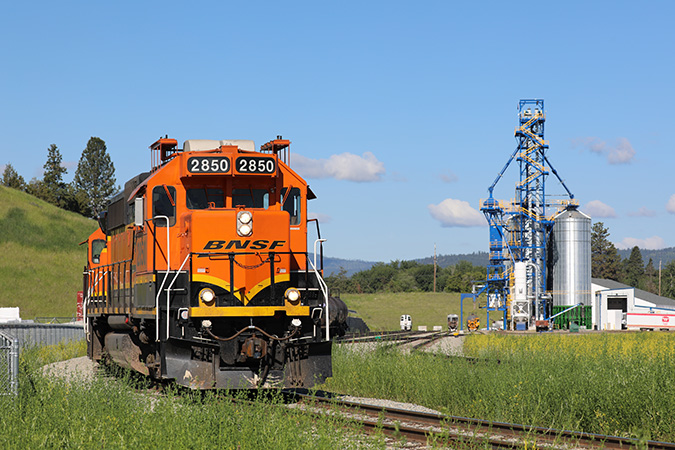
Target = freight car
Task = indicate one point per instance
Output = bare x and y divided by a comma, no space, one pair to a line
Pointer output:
200,271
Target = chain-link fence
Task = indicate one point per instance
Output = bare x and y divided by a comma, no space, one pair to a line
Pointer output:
9,365
15,336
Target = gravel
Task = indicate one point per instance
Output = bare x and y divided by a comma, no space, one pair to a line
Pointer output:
81,368
382,403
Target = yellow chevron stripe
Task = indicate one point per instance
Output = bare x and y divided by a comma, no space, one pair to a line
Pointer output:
237,292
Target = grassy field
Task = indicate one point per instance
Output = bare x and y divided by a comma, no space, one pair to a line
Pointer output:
118,413
620,383
42,261
382,312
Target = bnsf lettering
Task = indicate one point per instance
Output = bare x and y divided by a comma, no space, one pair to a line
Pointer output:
276,244
214,245
259,245
239,245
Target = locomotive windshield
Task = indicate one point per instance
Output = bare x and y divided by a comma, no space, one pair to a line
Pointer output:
251,198
202,197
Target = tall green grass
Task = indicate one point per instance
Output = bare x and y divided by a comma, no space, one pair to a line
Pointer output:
42,261
117,413
605,392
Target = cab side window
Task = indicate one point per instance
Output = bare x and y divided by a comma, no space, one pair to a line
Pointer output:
97,246
292,204
164,204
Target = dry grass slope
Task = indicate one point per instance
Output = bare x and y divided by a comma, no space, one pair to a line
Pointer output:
42,261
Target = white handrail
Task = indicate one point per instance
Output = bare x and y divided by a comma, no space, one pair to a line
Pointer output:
166,275
323,286
85,301
168,293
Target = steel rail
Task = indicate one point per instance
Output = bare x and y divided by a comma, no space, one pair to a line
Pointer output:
420,426
405,336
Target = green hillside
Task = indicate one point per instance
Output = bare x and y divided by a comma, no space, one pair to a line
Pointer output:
41,263
382,311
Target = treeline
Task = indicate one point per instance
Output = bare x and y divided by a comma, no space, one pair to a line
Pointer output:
408,276
93,183
411,276
607,263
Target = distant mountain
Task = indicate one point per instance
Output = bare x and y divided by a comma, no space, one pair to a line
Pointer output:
334,265
665,255
476,258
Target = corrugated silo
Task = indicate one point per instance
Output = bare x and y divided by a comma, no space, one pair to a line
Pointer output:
571,259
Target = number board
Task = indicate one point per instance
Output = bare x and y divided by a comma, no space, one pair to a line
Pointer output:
247,164
208,164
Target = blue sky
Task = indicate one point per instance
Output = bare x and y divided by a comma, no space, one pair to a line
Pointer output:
395,110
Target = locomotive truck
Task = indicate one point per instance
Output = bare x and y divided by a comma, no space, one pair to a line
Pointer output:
200,271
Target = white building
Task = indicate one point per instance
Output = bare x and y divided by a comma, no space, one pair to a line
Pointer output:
9,315
617,306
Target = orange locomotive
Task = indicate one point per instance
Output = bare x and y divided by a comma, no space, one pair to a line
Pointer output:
200,271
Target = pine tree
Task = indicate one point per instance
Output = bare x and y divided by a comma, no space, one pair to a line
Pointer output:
633,269
651,278
53,189
668,280
94,179
12,179
605,259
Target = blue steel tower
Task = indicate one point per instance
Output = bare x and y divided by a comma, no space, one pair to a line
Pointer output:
519,230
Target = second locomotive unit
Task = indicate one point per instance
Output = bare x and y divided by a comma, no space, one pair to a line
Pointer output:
200,271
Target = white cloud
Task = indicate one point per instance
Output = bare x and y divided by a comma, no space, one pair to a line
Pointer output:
643,212
449,177
621,152
456,213
670,206
650,243
597,209
345,166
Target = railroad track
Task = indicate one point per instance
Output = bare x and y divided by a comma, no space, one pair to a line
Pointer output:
395,337
463,432
378,336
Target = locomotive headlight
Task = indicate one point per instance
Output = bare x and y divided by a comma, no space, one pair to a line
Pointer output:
244,230
292,295
245,217
244,223
207,295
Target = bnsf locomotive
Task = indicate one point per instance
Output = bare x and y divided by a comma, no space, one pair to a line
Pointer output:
200,271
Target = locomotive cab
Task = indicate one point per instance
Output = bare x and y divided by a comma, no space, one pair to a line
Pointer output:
210,280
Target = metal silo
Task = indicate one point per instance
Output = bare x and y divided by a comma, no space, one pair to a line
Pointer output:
571,258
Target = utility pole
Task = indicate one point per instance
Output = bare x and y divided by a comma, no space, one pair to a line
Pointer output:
659,278
434,268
